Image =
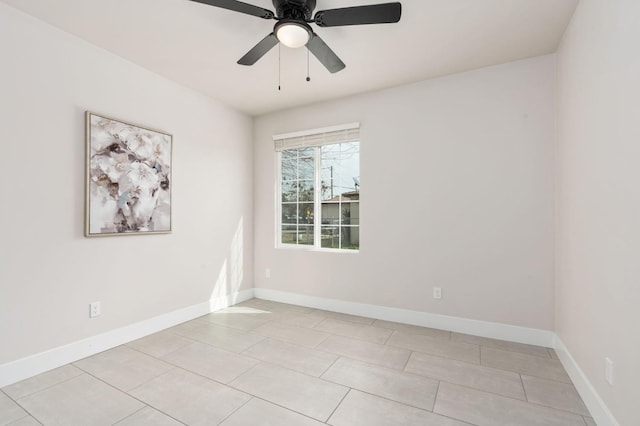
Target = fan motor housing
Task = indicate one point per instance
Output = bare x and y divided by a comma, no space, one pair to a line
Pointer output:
294,9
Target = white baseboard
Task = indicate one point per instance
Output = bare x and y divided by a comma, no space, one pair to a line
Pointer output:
493,330
596,406
24,368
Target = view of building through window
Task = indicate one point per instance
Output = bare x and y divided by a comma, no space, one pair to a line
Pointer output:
324,183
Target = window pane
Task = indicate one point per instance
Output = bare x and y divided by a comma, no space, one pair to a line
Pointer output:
289,213
340,171
328,190
305,213
330,213
350,237
306,168
305,190
350,214
355,213
329,171
289,234
305,235
330,237
289,169
290,191
349,179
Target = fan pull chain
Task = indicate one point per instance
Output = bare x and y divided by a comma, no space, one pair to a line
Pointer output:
308,78
279,50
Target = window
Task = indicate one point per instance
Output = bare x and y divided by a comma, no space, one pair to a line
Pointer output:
319,191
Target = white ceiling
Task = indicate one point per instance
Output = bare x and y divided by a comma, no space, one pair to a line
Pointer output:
198,45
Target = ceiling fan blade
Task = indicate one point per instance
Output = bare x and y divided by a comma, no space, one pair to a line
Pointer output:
325,55
386,13
238,6
259,50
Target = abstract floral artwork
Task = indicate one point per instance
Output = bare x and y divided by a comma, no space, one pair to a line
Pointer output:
128,179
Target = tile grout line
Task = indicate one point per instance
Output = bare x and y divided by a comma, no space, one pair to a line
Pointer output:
413,406
466,386
229,385
173,333
157,358
404,367
337,384
236,410
389,337
250,346
46,387
395,401
435,398
205,323
129,415
277,405
556,409
484,391
352,337
436,355
443,415
175,367
151,407
319,343
172,367
525,373
526,397
514,399
339,404
508,349
132,396
15,401
329,367
282,406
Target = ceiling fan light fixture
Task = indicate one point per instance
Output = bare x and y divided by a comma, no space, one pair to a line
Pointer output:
293,34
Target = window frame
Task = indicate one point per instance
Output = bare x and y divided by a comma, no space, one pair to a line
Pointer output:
317,198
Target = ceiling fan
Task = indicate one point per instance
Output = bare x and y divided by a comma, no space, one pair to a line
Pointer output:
293,29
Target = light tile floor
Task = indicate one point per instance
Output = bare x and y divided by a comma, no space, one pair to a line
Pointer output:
267,363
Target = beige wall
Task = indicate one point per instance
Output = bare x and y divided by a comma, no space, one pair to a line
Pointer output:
598,198
470,159
49,273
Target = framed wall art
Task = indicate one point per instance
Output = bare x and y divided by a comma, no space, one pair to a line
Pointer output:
128,178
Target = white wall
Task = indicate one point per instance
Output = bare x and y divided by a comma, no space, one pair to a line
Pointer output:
457,192
598,198
49,273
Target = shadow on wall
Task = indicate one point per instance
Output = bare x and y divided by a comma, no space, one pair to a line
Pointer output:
226,289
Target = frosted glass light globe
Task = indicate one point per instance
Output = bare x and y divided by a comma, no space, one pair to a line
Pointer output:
293,35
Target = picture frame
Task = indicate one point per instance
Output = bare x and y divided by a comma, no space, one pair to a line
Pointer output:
128,178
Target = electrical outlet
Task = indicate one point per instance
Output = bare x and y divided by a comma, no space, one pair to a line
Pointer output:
608,370
437,293
94,309
267,273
